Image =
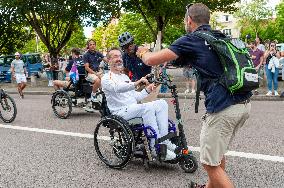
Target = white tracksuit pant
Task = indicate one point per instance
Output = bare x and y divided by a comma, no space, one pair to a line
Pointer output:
154,114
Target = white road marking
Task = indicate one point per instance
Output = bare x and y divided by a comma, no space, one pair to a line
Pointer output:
81,135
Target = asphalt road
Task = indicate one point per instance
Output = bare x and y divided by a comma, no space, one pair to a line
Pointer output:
34,158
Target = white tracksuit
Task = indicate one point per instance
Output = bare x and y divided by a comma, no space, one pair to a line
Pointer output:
122,100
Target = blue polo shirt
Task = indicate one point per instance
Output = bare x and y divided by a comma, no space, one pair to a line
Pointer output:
93,58
196,52
136,66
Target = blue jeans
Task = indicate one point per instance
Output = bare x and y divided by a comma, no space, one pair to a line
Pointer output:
49,75
272,77
164,88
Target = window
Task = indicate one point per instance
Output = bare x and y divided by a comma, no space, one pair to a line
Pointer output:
226,18
227,32
31,59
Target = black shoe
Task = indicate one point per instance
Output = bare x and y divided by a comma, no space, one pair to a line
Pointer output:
195,185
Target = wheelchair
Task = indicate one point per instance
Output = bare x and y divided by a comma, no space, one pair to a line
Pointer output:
117,141
74,95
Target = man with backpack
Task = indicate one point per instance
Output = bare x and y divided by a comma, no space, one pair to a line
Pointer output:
226,109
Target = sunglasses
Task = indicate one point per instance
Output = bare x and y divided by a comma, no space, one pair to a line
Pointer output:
127,45
189,5
272,45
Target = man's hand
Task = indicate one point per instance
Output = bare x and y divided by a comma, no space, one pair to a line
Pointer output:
143,80
151,87
141,51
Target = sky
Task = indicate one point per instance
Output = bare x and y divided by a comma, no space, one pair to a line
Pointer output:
88,30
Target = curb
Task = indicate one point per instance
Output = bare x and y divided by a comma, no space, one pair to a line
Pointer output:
192,96
163,95
32,92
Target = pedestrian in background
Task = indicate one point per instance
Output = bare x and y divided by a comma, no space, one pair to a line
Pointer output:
48,71
19,72
259,44
257,59
271,58
188,72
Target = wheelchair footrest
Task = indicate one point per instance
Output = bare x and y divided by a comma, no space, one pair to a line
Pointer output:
166,137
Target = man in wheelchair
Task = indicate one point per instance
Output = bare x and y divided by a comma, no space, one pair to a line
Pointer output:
122,100
57,84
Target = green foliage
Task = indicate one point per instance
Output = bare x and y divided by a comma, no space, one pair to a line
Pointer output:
171,12
107,36
254,14
13,33
272,29
55,20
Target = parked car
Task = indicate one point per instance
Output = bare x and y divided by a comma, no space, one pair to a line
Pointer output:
32,61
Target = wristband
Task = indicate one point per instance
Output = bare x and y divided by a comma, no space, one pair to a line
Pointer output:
147,91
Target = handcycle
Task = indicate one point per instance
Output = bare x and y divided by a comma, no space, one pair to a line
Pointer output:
116,140
76,94
8,109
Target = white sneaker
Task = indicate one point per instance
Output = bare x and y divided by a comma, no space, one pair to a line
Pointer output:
89,109
186,91
269,93
170,155
94,98
170,145
276,93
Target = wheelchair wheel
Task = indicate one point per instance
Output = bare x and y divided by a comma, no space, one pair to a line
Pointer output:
113,142
8,109
61,104
189,165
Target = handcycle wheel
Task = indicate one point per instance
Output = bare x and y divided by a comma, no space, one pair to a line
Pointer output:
8,109
113,142
189,165
61,104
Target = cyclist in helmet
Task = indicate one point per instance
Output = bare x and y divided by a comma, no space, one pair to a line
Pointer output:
132,64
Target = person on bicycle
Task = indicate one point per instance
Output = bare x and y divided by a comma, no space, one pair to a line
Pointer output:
79,63
226,113
19,72
122,100
92,60
133,65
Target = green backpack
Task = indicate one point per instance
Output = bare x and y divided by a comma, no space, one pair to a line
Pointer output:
239,75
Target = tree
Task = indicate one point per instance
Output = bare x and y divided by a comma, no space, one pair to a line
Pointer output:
55,20
13,33
107,36
279,22
171,12
254,14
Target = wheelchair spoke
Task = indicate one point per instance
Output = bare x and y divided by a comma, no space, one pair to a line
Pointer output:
61,105
113,145
8,109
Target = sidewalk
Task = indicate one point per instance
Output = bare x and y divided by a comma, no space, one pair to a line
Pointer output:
41,88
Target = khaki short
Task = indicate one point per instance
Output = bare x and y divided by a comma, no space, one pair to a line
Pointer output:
218,130
92,78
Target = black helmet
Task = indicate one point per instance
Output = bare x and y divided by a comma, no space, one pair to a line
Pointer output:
125,38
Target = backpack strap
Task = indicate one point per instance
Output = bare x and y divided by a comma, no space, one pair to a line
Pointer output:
206,35
197,94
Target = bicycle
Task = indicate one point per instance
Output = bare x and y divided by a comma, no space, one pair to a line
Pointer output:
7,105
